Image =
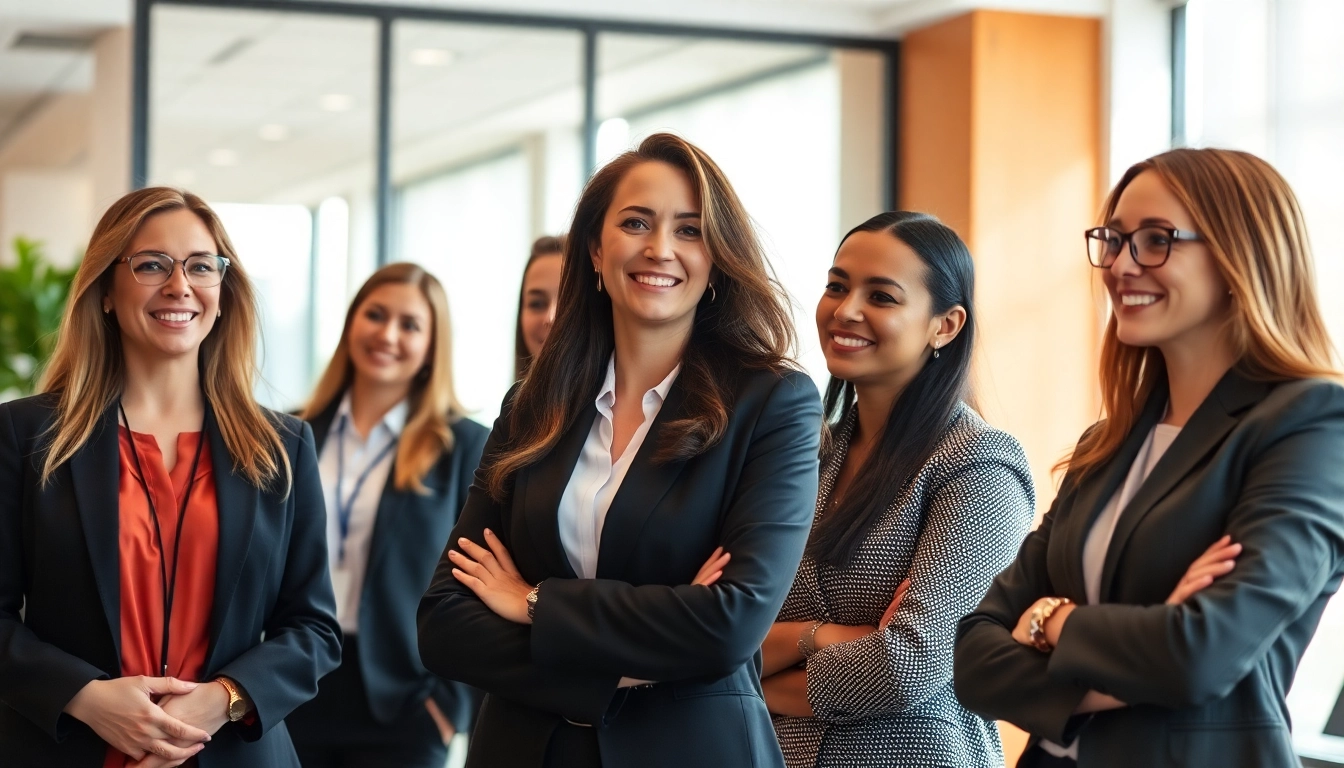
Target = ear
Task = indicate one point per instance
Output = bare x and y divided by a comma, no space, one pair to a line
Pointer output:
595,253
946,326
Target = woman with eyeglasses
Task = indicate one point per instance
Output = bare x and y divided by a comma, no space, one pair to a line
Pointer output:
585,588
396,457
164,594
1158,613
537,301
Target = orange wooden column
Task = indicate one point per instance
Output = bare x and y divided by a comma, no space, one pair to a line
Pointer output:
1001,138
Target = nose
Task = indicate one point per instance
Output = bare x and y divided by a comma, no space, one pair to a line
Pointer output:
1124,264
177,286
387,333
848,310
550,315
660,245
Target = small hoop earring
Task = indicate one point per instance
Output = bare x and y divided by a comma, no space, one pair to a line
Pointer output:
713,294
599,281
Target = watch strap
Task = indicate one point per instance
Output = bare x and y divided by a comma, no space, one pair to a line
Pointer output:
1039,616
532,602
237,704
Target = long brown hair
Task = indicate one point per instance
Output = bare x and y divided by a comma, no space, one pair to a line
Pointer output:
547,245
432,399
748,325
86,368
1251,223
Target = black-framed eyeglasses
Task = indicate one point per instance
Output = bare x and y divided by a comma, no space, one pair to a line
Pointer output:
202,270
1150,246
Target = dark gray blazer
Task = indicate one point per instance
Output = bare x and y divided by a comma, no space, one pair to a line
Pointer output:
409,534
1205,680
272,624
752,492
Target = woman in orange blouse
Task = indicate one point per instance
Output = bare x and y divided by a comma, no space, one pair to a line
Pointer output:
163,534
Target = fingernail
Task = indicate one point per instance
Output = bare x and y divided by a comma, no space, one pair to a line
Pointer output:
488,532
462,540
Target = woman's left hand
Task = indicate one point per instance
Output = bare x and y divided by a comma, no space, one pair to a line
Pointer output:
1053,625
492,576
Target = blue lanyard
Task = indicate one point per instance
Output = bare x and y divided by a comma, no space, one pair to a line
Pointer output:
344,509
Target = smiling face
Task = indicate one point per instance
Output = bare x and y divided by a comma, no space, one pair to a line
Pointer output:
390,335
650,253
167,321
541,285
1183,302
876,318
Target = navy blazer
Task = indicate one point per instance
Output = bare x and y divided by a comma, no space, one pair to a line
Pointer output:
1206,679
60,600
753,493
409,534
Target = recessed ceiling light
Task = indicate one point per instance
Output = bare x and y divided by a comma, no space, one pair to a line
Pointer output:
222,157
337,102
273,132
432,57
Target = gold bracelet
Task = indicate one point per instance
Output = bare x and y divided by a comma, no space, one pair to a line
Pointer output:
807,641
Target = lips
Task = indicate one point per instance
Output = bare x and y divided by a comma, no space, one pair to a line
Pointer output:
850,341
173,316
1138,299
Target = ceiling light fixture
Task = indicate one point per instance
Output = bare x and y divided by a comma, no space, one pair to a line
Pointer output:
273,132
337,102
432,57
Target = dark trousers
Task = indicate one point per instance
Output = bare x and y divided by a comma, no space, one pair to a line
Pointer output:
337,730
572,747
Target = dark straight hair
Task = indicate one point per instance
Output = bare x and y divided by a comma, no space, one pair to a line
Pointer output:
546,245
921,413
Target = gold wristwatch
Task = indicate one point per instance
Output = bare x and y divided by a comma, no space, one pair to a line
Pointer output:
237,705
1036,627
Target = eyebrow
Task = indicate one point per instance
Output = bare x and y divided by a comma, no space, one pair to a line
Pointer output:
650,212
389,311
843,275
148,251
1151,221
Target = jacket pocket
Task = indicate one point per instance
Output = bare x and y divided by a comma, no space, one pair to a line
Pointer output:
1241,744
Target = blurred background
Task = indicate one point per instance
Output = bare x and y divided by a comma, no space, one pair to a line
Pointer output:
333,137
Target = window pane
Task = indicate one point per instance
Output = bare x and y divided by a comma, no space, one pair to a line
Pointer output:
771,116
486,157
266,115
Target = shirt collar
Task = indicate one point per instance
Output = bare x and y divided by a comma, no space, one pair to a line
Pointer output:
606,396
393,421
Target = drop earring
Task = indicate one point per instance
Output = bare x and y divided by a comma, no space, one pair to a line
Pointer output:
935,351
599,281
713,295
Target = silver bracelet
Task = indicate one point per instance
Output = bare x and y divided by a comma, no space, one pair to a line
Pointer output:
807,641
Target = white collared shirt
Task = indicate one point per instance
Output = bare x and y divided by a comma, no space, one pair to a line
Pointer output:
347,575
596,478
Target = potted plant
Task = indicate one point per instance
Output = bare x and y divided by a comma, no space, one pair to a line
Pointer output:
32,300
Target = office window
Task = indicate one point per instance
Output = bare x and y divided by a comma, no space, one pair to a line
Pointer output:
1265,76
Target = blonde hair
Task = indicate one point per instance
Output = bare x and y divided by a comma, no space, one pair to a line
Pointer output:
86,368
433,400
1251,223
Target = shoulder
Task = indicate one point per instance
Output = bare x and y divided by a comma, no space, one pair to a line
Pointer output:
468,437
293,430
788,384
29,416
970,440
1295,406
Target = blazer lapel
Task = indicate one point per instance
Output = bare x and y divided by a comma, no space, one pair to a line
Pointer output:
1093,496
96,470
237,501
539,488
644,486
321,424
1205,431
390,504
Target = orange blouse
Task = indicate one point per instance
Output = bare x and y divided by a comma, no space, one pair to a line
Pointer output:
141,579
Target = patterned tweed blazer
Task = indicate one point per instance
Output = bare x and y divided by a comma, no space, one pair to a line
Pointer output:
887,699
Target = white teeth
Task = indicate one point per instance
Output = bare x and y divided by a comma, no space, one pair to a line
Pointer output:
1138,299
173,317
846,341
658,282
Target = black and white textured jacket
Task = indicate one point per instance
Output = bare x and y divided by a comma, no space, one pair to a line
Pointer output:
886,699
